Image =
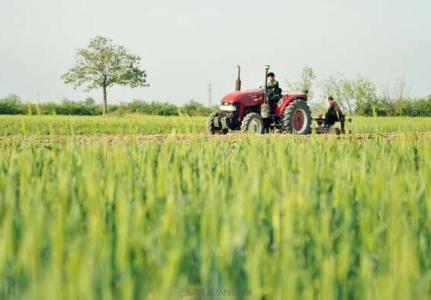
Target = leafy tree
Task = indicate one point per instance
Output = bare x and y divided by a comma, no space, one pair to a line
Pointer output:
306,83
358,94
90,101
363,93
103,64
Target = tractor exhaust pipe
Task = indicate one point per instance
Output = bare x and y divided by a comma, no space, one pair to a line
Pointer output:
265,110
266,83
238,80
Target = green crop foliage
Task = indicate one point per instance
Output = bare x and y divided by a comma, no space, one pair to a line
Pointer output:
278,217
142,124
75,125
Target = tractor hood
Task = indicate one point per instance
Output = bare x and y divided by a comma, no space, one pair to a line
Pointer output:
244,96
253,97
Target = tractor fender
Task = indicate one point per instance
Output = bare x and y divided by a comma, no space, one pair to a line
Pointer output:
286,100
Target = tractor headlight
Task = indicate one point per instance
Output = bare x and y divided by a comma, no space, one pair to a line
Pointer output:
226,107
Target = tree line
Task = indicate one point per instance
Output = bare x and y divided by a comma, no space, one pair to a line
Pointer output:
13,105
361,96
379,106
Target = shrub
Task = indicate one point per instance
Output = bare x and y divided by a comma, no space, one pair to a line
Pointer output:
194,108
402,107
68,107
11,105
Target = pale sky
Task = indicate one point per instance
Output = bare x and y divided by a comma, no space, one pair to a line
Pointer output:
187,44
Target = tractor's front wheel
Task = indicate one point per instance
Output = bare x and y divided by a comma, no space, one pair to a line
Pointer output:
210,125
252,123
296,118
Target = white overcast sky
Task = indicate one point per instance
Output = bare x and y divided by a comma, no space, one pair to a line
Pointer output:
187,44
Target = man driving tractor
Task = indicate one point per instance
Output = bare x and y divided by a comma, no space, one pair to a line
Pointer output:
274,90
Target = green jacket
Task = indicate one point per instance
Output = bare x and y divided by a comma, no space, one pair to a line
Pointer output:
273,87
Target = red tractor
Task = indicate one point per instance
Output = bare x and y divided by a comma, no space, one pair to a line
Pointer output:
249,111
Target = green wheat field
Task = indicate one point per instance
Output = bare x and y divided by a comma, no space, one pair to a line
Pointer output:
189,216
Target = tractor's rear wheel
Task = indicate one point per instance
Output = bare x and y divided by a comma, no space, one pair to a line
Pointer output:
297,118
210,125
252,123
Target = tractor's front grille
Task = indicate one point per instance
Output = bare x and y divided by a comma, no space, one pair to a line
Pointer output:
230,114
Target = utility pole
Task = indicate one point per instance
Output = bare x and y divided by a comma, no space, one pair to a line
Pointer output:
210,94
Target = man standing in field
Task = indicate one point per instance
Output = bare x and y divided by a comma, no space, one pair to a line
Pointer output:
274,91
